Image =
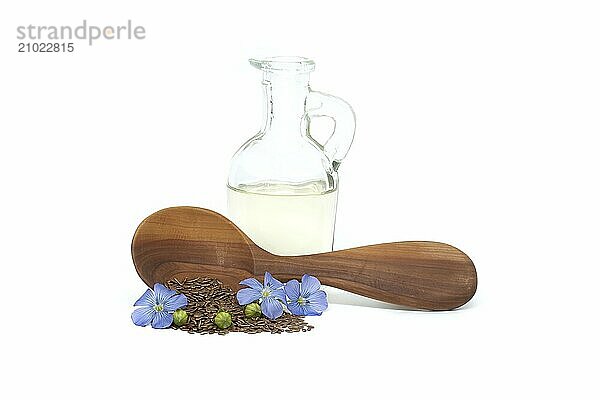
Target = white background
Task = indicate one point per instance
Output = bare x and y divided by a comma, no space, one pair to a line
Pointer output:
477,125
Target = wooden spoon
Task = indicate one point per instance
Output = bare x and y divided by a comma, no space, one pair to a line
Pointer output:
184,242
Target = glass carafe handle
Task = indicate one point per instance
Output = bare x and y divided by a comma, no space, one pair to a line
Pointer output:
319,104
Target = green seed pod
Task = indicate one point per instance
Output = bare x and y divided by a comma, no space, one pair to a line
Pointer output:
252,310
180,317
223,319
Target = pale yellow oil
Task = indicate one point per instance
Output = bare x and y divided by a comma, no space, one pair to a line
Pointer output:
285,219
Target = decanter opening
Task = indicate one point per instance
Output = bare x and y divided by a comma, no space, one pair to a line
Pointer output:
293,64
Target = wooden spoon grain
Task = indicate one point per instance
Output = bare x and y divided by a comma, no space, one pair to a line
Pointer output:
184,242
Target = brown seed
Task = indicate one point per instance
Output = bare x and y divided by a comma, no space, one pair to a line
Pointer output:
207,296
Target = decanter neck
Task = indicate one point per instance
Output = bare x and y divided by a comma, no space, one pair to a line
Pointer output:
285,96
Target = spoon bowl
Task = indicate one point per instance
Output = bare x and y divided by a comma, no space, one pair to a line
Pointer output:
181,242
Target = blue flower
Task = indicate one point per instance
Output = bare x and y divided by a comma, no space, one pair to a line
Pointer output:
157,307
306,298
270,295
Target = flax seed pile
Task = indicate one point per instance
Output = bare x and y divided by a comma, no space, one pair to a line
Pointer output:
207,296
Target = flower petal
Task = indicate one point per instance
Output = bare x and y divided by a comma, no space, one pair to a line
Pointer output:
317,302
309,312
296,308
253,283
272,282
279,294
142,316
271,308
292,290
175,302
162,319
161,293
147,299
248,295
310,285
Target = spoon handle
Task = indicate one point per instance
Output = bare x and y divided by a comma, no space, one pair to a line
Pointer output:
419,275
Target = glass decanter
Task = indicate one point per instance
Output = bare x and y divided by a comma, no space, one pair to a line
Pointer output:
283,184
